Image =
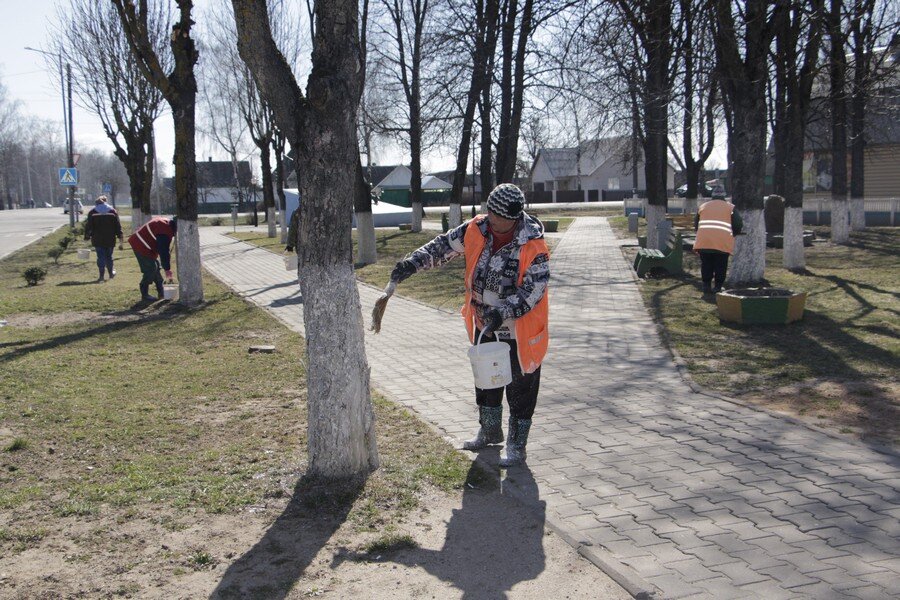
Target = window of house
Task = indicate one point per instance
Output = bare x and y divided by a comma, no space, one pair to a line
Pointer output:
612,183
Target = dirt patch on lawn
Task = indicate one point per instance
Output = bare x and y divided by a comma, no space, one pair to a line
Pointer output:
867,410
457,545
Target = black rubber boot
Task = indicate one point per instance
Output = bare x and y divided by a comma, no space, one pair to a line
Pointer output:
516,442
145,296
491,430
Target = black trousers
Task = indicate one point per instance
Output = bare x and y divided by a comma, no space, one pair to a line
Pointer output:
713,265
521,393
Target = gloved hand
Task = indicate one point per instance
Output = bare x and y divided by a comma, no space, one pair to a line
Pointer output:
169,276
491,320
403,270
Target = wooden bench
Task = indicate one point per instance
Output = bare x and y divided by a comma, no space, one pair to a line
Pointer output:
668,259
683,221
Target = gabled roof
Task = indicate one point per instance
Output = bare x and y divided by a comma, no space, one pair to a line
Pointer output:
431,182
563,162
377,173
220,173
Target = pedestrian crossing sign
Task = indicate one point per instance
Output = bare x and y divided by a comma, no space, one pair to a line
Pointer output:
68,176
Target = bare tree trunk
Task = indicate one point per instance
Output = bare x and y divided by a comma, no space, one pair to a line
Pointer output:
190,275
840,218
322,130
278,146
858,143
367,252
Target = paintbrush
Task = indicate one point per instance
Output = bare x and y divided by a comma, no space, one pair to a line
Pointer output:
381,305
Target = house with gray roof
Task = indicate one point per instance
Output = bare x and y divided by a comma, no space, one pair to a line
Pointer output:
596,167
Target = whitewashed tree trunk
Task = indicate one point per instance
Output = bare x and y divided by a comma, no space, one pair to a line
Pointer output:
794,256
840,221
416,216
655,214
338,374
190,278
455,216
748,263
690,205
367,253
137,219
857,214
270,220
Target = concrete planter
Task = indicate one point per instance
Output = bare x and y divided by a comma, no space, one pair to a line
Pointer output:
760,306
551,226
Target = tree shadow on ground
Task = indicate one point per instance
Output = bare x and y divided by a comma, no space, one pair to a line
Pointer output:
493,541
272,567
164,311
71,283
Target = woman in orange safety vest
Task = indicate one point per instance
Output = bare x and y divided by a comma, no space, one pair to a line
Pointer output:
507,273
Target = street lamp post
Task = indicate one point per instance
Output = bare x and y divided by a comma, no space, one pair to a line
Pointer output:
67,122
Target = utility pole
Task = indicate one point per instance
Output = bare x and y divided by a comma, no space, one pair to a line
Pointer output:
71,161
28,170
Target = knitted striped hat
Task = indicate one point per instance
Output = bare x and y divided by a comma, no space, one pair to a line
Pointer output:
506,201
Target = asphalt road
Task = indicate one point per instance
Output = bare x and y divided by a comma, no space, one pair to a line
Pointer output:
18,228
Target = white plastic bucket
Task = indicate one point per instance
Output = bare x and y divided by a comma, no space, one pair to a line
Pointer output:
290,262
490,364
169,292
84,253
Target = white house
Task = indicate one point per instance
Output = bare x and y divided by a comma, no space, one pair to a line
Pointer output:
595,167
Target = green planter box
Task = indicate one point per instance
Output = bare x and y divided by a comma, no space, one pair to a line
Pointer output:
761,306
551,226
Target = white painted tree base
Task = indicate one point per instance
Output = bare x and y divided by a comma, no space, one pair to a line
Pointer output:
270,220
794,256
416,216
190,279
748,262
840,221
365,230
455,216
654,215
341,424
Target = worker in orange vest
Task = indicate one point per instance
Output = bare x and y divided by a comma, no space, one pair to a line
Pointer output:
507,274
716,224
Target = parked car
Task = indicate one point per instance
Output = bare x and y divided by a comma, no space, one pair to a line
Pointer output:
79,207
710,189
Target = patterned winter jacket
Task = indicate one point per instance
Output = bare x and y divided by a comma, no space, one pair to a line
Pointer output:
495,276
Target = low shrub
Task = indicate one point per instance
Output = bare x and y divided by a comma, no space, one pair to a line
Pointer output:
55,253
34,275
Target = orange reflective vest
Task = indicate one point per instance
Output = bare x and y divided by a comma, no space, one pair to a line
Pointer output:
714,227
532,334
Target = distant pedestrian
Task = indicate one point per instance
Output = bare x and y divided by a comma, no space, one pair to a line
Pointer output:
102,227
716,224
151,244
506,276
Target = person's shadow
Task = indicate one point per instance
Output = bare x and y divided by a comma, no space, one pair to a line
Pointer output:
492,542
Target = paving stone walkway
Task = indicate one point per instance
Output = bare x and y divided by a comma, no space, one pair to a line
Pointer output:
675,494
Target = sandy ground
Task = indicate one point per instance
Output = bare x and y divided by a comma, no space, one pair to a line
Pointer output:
470,544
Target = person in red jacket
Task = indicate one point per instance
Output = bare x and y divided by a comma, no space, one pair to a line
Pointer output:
151,248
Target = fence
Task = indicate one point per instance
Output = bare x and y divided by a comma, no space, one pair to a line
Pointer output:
878,211
816,211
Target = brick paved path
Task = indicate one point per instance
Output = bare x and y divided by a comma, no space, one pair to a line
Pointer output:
673,493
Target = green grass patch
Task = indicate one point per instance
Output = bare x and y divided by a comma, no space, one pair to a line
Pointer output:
850,332
390,542
16,445
133,412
